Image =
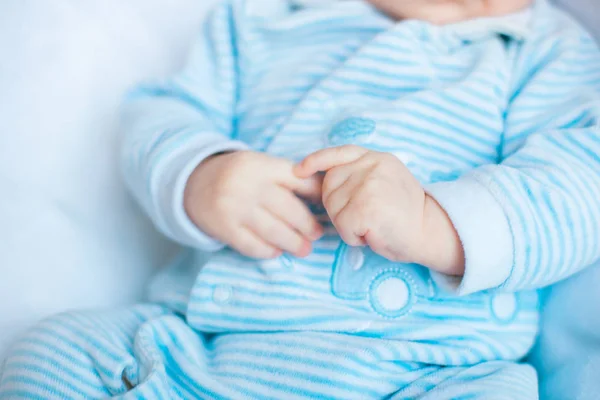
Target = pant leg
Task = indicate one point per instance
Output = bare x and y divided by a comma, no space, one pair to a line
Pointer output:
81,356
497,380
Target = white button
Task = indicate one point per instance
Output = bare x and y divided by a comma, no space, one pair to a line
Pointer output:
355,258
222,294
392,294
504,307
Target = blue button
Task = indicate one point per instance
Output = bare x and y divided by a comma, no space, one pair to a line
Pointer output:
352,130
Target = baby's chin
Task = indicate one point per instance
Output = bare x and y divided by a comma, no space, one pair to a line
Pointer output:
441,12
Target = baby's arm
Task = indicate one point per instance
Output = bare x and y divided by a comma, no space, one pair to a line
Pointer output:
192,177
525,223
534,219
172,127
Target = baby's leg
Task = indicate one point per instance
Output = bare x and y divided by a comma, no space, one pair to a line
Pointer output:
497,380
82,356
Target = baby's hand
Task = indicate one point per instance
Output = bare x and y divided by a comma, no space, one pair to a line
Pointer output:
248,201
373,199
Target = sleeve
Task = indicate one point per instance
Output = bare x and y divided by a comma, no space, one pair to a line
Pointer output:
534,218
171,127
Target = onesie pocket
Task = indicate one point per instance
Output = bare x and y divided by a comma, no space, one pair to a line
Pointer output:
391,289
137,374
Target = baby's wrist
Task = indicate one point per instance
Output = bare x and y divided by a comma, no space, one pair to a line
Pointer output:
195,183
441,249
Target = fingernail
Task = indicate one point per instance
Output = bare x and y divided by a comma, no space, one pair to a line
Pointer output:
317,233
305,250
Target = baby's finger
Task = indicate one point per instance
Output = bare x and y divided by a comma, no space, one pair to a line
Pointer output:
251,245
326,159
335,178
289,208
335,201
278,233
283,171
348,226
309,188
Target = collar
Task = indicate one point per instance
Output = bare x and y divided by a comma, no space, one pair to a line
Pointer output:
517,26
312,3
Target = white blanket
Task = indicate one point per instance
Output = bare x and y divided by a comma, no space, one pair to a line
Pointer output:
70,237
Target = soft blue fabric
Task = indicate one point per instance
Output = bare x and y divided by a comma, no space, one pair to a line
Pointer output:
85,356
567,355
505,108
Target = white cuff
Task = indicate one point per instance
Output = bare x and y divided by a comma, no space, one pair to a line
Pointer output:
172,181
484,232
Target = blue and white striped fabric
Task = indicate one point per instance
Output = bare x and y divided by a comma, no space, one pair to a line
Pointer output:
498,118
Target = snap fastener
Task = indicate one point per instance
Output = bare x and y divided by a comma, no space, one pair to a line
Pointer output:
355,258
351,130
504,307
391,295
222,294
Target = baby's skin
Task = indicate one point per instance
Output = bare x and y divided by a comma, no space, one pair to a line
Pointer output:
250,201
448,11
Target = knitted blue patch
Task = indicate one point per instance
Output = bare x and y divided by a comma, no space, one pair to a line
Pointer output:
351,130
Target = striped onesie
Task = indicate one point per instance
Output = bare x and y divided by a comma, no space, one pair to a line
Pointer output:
498,118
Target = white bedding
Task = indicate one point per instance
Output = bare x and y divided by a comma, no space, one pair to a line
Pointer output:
69,234
70,237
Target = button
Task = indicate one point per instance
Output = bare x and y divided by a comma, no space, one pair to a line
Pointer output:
352,130
355,258
222,294
504,307
391,295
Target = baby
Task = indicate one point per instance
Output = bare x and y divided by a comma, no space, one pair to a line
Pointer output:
383,186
